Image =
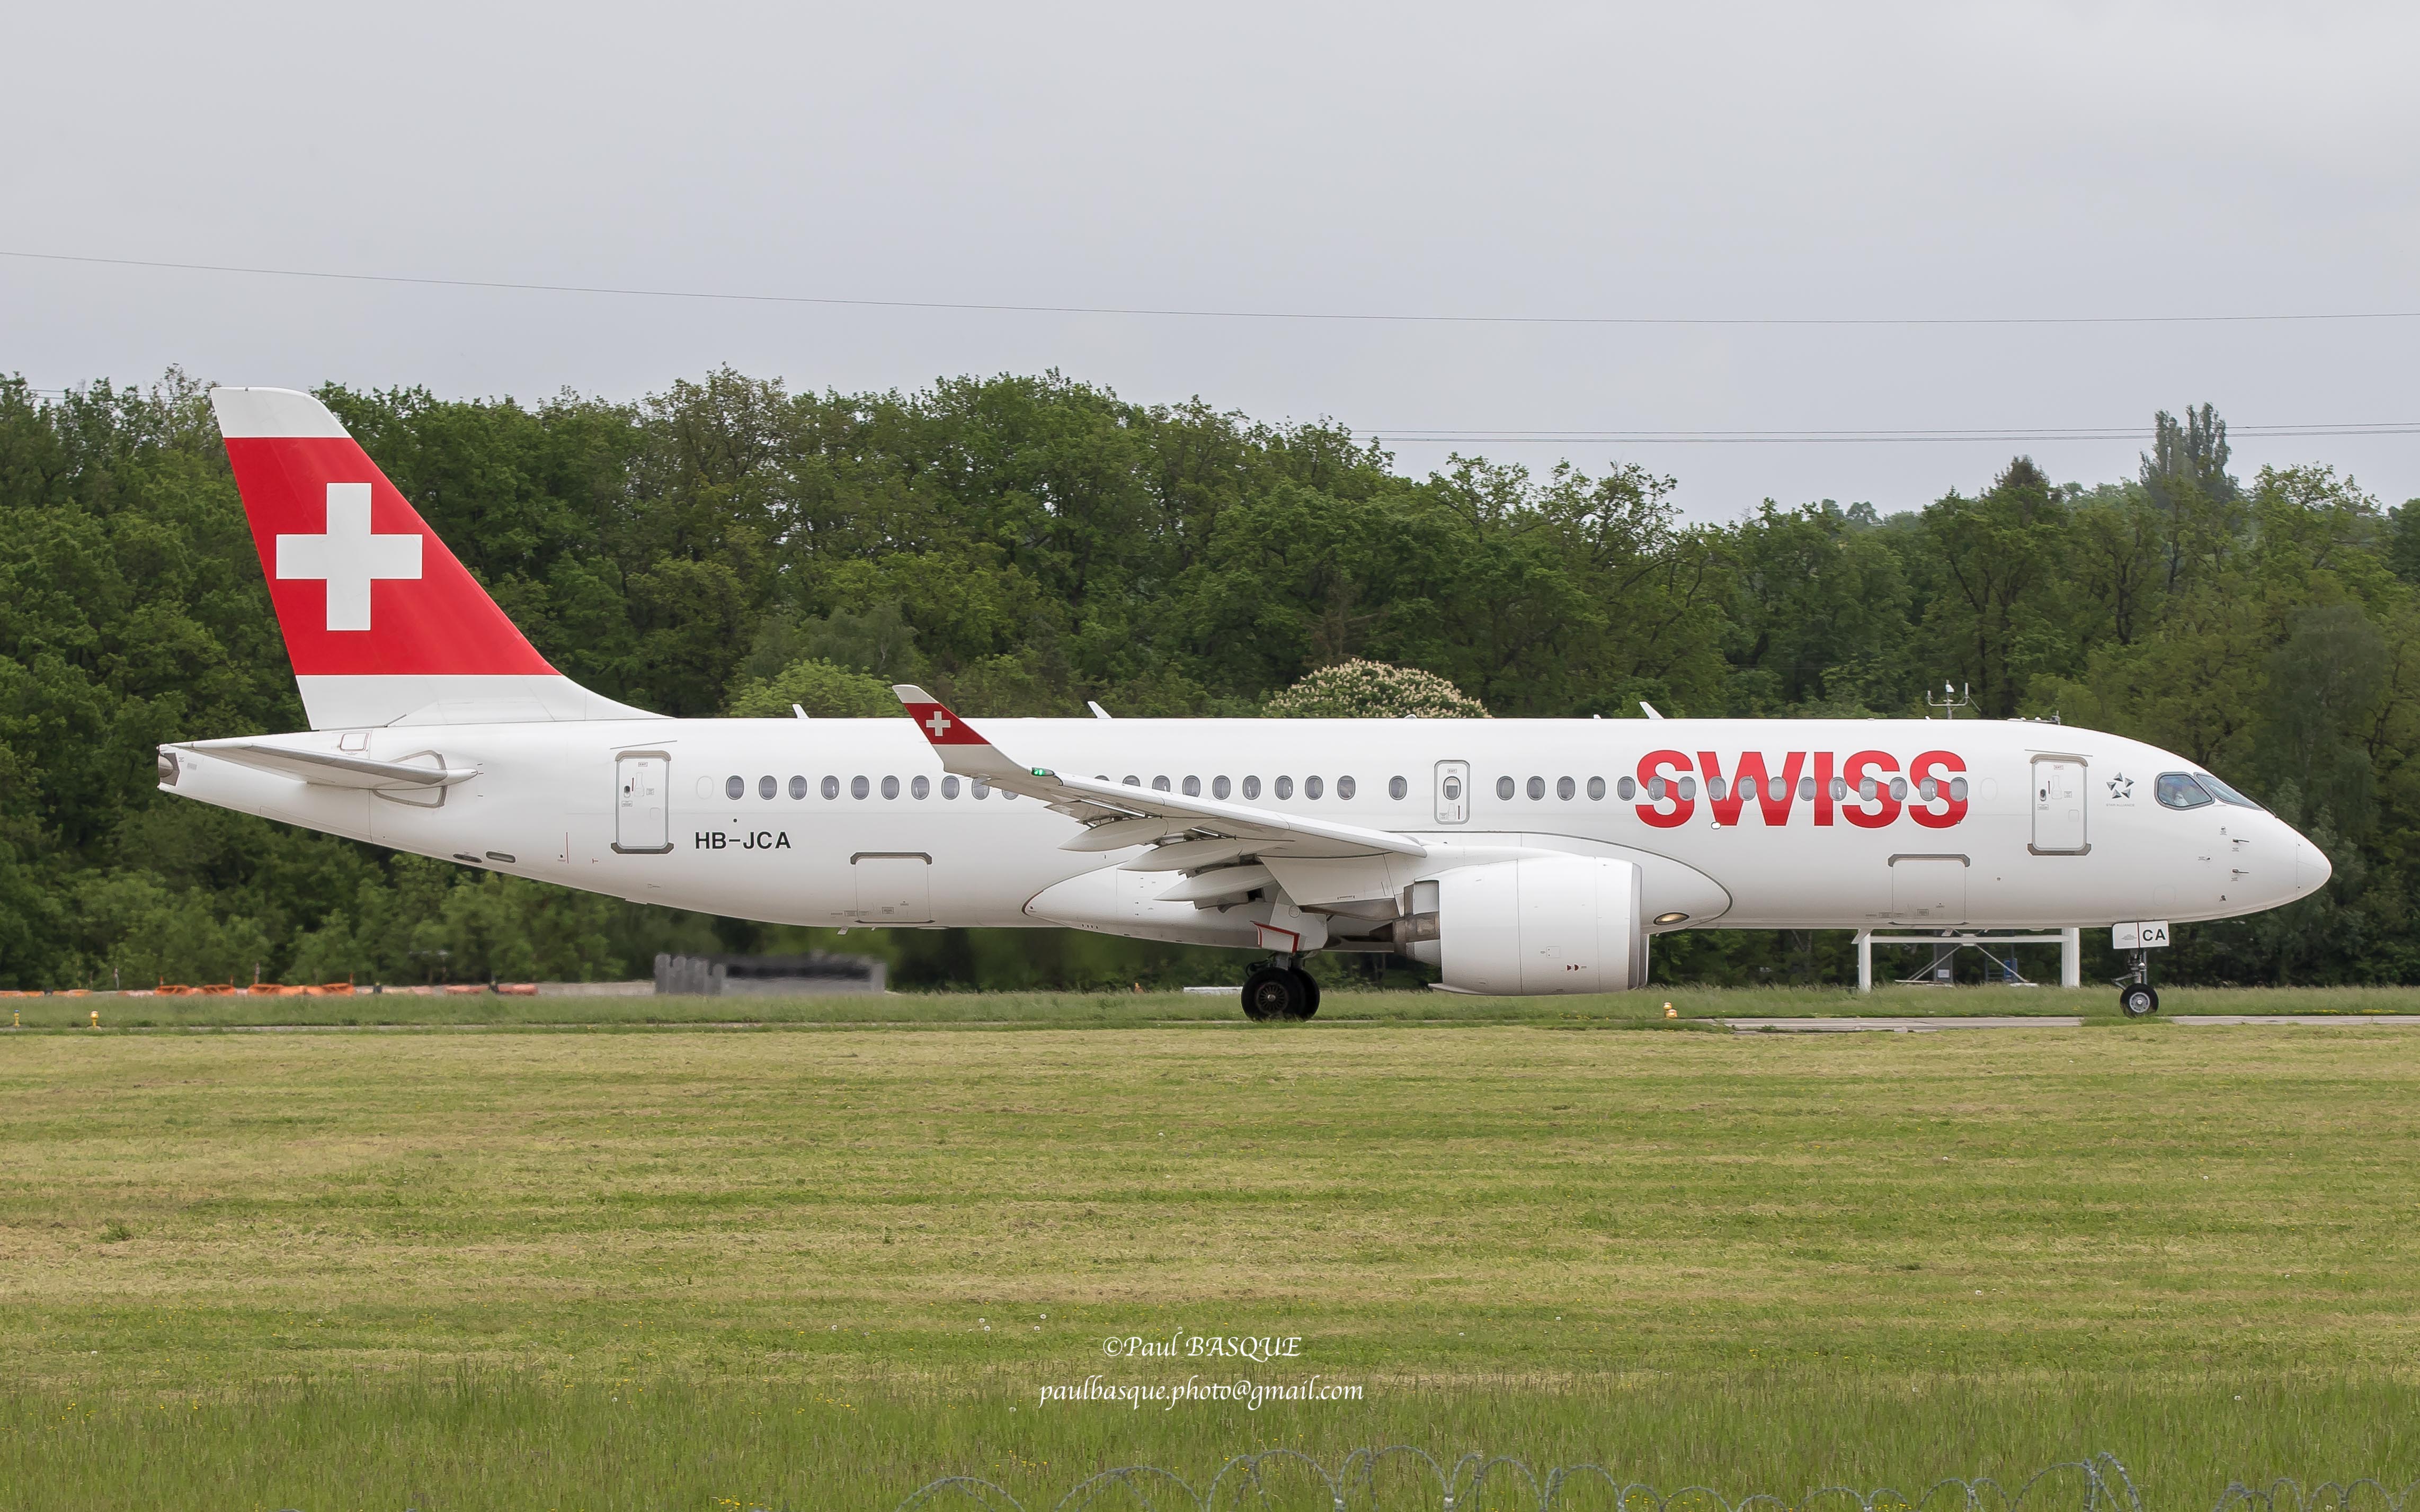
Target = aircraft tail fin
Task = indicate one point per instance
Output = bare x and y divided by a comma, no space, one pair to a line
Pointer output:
382,623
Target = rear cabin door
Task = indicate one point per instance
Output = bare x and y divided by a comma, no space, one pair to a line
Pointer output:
2059,806
1452,792
894,888
640,779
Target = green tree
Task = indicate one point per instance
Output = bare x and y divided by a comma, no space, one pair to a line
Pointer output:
1994,560
1373,690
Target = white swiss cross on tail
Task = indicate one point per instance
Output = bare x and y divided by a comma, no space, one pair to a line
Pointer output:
938,723
348,557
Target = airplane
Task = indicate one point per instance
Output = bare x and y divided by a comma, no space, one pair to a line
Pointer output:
1514,856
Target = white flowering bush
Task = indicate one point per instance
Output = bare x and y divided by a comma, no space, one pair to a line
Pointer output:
1373,690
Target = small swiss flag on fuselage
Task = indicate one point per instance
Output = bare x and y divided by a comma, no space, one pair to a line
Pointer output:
360,583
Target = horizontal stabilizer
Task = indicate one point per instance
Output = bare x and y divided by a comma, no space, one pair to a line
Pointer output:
334,769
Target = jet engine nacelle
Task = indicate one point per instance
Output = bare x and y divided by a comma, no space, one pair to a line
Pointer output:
1538,924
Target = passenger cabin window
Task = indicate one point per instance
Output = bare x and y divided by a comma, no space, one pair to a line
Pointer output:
766,787
858,787
1344,788
1311,787
891,787
1596,789
1504,787
1220,787
1251,787
921,788
832,787
949,787
1193,787
735,787
1397,787
1285,787
797,787
2175,790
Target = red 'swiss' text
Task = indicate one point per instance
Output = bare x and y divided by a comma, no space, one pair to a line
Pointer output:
1868,789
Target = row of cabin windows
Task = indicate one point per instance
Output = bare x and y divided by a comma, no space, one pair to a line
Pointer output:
1313,788
858,787
1775,789
921,787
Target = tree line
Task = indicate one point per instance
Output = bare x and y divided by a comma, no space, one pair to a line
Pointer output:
1023,544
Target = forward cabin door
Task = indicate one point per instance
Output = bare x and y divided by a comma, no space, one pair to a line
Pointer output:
1452,792
2059,806
640,779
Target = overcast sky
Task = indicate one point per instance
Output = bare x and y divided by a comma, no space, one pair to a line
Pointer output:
1730,163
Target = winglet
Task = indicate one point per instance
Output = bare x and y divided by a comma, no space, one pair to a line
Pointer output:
961,749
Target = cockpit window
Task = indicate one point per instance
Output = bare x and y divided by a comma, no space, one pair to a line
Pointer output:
2225,794
2177,791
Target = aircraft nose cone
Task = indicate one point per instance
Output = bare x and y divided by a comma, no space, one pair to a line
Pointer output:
2312,868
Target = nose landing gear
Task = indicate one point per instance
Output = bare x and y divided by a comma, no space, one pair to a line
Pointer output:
2136,998
1280,990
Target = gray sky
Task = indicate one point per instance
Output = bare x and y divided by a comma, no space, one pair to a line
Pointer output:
1732,161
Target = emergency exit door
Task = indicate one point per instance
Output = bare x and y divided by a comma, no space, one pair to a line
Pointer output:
2059,806
1452,792
641,781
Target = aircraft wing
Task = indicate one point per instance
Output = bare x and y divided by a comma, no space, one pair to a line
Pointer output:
1119,816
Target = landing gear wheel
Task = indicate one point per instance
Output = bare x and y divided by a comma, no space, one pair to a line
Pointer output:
2137,1002
1275,993
1309,992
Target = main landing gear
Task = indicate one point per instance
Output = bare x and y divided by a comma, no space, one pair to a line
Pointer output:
2136,998
1280,990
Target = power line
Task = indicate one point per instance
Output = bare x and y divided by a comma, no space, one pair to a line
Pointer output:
1789,438
619,291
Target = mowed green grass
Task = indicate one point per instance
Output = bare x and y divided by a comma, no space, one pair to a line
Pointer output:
1144,1008
700,1269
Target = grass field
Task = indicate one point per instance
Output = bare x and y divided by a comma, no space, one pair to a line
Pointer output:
694,1269
1142,1010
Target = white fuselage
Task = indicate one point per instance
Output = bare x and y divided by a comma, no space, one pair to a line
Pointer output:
2059,825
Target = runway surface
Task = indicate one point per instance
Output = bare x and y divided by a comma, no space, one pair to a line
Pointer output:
1931,1026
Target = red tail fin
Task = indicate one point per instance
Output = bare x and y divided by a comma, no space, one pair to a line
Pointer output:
381,621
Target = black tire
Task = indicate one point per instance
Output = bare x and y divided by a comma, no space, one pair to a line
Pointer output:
1272,992
1309,992
2137,1002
